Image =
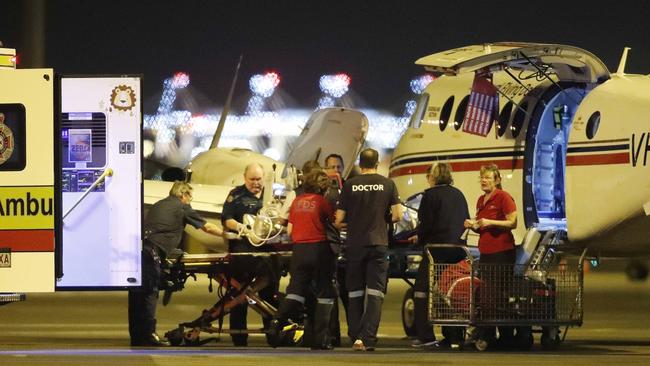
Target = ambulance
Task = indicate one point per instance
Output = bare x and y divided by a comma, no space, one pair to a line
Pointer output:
70,181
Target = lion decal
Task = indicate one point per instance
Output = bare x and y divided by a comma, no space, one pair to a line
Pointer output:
123,98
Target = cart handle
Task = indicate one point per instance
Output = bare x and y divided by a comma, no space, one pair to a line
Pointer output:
469,255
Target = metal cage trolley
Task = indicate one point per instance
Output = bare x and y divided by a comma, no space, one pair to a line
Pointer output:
539,297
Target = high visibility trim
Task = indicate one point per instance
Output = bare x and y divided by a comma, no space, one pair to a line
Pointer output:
373,292
327,301
357,293
295,297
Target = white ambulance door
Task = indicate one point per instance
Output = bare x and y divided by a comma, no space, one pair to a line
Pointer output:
27,238
100,121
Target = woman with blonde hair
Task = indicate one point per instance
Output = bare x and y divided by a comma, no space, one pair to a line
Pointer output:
496,217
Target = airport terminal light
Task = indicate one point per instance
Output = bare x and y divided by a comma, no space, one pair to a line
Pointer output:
326,102
419,83
180,80
409,108
264,85
334,85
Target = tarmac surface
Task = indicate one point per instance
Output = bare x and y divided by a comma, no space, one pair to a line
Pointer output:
90,328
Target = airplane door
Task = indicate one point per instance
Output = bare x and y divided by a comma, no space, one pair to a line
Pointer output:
330,131
546,146
99,167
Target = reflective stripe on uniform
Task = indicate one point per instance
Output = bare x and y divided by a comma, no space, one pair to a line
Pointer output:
373,292
295,297
419,295
357,293
323,300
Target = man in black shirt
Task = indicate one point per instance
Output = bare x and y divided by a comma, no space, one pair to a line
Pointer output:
246,199
334,165
442,212
163,230
369,202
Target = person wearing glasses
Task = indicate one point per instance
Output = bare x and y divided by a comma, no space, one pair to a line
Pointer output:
163,231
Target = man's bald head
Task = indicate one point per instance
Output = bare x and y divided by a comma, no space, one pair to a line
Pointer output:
368,159
254,178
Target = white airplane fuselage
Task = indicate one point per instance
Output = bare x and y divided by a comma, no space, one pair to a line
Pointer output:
588,175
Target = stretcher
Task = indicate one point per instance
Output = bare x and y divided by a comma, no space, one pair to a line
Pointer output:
239,276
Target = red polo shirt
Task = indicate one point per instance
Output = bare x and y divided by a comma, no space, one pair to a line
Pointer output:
493,239
307,216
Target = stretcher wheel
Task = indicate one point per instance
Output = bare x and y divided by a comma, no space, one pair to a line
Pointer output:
408,313
551,338
482,344
192,342
175,336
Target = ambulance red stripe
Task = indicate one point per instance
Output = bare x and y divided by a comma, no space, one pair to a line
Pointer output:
27,240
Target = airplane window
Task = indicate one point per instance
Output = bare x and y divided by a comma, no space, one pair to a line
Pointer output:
418,115
446,113
592,125
518,119
504,117
460,112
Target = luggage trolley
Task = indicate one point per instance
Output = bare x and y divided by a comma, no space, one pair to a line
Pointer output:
540,297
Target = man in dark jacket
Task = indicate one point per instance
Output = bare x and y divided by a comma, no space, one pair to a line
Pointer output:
163,230
442,212
242,200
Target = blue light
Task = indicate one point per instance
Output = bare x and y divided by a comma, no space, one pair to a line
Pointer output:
420,83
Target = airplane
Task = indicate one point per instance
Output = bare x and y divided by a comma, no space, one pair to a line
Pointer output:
216,171
572,141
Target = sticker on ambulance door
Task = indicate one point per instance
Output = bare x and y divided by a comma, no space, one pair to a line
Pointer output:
6,140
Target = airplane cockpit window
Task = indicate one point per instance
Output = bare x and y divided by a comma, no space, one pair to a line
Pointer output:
446,112
12,137
593,124
518,119
418,115
460,112
503,119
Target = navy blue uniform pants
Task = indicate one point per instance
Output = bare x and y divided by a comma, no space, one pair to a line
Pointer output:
143,301
367,270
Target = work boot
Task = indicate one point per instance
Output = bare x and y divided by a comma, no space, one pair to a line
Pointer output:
152,340
274,334
322,316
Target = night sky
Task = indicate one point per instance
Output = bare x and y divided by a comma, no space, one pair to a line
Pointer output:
376,42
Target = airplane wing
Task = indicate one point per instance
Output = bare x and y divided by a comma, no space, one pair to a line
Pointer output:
568,62
207,200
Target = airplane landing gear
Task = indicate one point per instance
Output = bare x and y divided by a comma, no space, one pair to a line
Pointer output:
636,271
408,313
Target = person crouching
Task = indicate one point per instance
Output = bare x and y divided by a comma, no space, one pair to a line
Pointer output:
312,260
